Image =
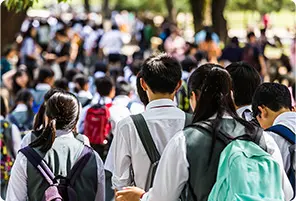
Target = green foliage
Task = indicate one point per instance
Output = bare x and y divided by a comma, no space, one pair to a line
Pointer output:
19,5
261,6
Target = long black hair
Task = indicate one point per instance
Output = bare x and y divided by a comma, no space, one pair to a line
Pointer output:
215,99
62,110
15,86
39,121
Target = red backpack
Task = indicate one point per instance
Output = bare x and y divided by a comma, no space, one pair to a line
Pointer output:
97,125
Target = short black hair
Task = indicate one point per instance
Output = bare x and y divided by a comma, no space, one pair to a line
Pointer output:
44,73
188,64
62,84
294,90
123,88
245,80
81,80
251,34
272,95
104,85
70,74
101,67
162,73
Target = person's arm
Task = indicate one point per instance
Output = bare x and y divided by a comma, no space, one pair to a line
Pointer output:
118,161
16,138
274,151
170,178
100,195
17,186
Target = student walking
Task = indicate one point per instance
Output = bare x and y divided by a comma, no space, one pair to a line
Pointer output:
56,159
190,162
128,159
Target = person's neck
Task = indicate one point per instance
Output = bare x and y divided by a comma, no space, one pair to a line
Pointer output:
158,96
278,113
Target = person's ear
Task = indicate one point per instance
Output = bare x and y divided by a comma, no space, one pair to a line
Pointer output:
178,86
143,84
263,112
293,109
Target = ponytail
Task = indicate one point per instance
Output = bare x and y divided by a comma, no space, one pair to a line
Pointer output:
46,139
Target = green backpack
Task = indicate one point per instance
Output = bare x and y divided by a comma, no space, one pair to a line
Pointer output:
247,173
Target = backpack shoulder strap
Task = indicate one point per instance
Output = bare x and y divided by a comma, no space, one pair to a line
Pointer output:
146,138
283,131
37,161
188,119
84,157
129,105
13,120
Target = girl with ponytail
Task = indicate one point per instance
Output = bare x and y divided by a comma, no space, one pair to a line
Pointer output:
190,160
60,149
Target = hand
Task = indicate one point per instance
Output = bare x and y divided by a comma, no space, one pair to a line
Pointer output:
129,194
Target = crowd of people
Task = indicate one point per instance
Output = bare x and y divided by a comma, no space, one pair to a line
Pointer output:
81,120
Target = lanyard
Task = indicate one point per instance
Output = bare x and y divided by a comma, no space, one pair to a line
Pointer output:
162,106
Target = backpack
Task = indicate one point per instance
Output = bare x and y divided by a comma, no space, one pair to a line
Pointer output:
97,125
26,126
149,145
60,188
7,154
38,99
288,135
246,172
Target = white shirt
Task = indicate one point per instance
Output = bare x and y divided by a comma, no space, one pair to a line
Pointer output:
43,87
248,115
21,108
287,119
16,137
117,113
17,187
172,173
111,42
123,101
163,119
85,94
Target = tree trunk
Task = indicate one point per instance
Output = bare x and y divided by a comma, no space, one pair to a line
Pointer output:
171,10
86,6
197,8
106,11
219,22
10,25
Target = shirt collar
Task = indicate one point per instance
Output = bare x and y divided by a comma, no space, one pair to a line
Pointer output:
43,86
160,102
287,119
21,108
105,100
64,133
86,94
241,110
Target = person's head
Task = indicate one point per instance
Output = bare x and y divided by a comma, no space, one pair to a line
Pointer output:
20,80
31,32
114,26
136,66
245,80
123,88
9,51
105,87
208,37
4,108
269,101
61,36
62,112
62,84
39,120
46,76
251,37
161,76
141,93
196,81
81,83
234,41
188,64
215,101
101,67
192,49
71,73
263,32
24,96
